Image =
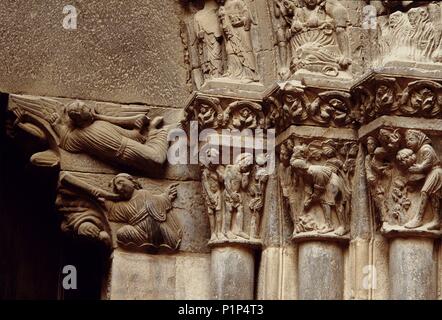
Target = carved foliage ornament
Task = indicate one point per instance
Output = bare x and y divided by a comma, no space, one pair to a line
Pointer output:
294,105
385,96
237,115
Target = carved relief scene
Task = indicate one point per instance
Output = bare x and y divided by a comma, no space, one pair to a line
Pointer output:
221,149
221,42
410,32
403,174
316,181
313,36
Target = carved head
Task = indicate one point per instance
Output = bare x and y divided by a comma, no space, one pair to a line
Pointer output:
245,112
371,145
406,157
311,4
416,139
80,113
245,162
299,164
390,139
210,158
384,98
125,185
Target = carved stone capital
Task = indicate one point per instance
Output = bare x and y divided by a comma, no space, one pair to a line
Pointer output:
316,175
404,176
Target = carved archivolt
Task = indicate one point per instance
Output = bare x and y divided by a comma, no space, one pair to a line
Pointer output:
405,180
315,177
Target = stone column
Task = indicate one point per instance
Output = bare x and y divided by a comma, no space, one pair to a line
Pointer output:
413,269
321,270
319,199
406,198
233,273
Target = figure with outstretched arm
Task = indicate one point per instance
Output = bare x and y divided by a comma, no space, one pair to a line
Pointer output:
121,140
145,215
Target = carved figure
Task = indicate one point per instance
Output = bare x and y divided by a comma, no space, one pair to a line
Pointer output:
236,21
146,218
327,188
132,141
210,36
212,179
427,162
319,37
236,181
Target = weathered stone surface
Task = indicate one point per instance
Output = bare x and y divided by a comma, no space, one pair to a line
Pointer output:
412,269
320,271
232,273
120,52
137,276
278,274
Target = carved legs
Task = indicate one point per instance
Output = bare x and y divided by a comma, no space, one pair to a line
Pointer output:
238,223
435,223
328,218
254,225
212,223
417,219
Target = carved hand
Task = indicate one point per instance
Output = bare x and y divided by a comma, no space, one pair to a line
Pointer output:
88,229
142,121
52,118
172,192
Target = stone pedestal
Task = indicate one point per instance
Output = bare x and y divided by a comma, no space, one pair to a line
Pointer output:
412,269
321,270
233,273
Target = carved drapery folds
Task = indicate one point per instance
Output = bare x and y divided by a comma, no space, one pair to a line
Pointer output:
234,191
119,136
316,181
221,43
312,36
404,178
